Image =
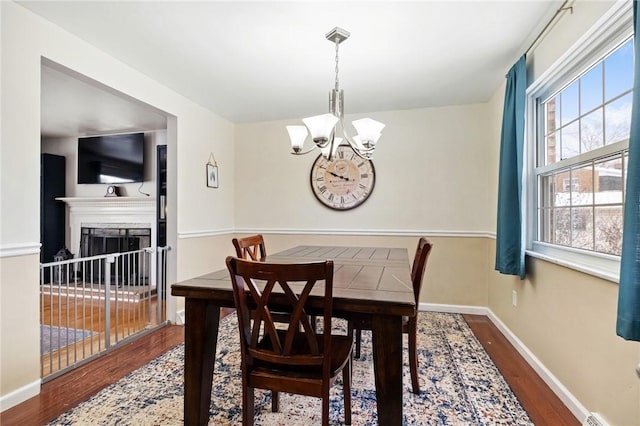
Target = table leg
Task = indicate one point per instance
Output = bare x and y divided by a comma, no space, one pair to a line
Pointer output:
201,337
387,359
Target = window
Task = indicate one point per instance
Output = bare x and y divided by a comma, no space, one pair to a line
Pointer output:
580,119
572,184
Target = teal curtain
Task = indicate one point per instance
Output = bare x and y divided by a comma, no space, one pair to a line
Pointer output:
509,247
628,325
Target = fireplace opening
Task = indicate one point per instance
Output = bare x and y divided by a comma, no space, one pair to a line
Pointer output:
128,269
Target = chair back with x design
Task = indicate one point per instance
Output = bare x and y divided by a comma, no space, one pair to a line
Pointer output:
291,357
250,248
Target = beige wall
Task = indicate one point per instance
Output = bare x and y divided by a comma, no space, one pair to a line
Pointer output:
19,343
566,30
456,271
564,317
213,249
432,179
192,134
567,320
431,175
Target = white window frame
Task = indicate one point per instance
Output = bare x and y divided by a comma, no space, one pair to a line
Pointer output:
613,28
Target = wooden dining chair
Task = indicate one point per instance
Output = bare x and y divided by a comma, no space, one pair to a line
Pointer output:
250,248
296,359
253,248
409,324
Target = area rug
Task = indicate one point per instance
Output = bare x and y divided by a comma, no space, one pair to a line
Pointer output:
459,383
53,338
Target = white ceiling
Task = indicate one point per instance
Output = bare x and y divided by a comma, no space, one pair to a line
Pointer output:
73,105
267,60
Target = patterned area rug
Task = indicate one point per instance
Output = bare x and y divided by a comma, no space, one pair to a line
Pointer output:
459,382
53,338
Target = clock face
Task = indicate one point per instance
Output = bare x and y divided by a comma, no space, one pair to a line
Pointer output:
344,182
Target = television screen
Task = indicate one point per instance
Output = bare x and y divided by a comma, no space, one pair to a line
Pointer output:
111,159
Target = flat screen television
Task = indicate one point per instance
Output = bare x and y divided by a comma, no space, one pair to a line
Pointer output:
111,158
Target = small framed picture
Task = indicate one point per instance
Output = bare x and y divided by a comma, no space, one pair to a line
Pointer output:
212,175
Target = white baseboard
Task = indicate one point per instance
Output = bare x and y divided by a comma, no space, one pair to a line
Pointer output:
180,315
454,309
567,398
19,395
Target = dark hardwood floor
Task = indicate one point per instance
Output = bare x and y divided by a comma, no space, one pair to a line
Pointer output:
542,405
64,392
70,389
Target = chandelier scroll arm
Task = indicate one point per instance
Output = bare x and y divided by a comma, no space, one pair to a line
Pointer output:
304,152
362,152
365,156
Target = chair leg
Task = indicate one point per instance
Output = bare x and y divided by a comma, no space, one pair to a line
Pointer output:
346,389
275,401
247,406
358,339
413,354
325,408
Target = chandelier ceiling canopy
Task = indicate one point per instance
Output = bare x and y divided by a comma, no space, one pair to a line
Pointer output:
327,130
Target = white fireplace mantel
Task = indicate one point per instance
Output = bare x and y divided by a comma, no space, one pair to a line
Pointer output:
131,212
133,203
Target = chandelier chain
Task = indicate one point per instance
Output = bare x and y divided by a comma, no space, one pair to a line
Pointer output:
337,81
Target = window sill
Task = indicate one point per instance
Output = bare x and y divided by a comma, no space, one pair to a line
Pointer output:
609,275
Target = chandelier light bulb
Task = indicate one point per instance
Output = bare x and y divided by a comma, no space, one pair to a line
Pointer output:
369,130
320,127
297,134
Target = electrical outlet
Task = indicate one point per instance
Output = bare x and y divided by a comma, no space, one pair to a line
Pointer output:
594,419
514,298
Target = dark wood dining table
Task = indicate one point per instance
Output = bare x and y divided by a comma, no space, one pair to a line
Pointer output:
370,282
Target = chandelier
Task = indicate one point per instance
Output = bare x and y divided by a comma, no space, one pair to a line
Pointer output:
324,129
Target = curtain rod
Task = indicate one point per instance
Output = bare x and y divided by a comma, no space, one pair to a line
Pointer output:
561,9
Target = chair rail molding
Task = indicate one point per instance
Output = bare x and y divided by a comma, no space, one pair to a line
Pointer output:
371,232
19,249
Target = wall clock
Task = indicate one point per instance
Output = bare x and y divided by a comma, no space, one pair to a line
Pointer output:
112,191
345,182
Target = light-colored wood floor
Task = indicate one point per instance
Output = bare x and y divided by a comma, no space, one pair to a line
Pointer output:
128,316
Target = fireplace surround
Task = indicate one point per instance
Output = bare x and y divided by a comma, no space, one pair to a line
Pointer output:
105,225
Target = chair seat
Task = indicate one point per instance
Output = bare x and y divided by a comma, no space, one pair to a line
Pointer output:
341,347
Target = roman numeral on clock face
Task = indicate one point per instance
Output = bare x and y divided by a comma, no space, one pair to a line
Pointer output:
344,182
